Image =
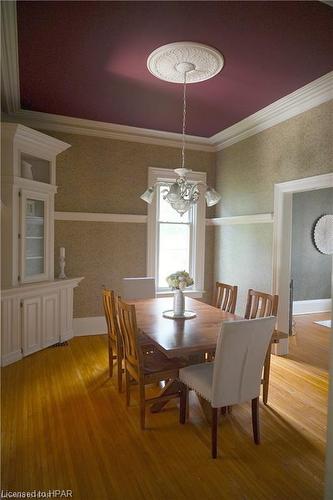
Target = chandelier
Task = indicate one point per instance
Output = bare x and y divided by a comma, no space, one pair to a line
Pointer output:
184,62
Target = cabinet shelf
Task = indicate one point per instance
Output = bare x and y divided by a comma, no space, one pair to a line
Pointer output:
34,220
34,237
35,257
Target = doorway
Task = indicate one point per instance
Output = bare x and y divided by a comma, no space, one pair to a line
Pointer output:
282,239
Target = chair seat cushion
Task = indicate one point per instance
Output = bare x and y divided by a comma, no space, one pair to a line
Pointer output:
155,361
199,378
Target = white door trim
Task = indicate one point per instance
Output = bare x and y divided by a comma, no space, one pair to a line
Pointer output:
282,228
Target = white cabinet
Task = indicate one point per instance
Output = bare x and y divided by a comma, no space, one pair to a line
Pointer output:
36,316
36,310
28,188
50,319
31,325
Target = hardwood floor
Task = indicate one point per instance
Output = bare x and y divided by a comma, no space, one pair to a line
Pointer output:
65,426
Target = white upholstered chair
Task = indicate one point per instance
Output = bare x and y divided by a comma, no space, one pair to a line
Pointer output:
235,375
138,288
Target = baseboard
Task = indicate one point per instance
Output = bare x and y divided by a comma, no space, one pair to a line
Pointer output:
311,306
95,325
8,359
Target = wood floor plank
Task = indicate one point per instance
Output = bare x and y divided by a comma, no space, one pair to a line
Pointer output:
64,426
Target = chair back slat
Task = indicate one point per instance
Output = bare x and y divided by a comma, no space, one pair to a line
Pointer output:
129,334
110,314
239,359
260,304
225,297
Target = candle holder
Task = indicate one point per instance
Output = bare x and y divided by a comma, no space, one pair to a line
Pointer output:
62,264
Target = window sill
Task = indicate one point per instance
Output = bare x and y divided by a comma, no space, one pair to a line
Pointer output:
195,294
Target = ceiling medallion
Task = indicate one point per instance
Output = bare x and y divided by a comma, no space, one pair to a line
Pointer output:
184,62
199,62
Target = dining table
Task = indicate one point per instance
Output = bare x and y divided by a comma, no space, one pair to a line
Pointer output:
185,338
181,337
188,338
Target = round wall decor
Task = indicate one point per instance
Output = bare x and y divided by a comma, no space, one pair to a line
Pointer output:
323,234
172,61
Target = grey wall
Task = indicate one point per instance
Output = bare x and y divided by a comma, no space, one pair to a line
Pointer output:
310,269
246,173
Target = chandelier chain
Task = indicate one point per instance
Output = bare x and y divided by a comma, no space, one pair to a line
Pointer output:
184,122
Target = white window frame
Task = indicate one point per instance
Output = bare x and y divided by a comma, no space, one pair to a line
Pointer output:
197,244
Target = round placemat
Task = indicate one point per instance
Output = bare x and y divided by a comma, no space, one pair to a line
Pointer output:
171,315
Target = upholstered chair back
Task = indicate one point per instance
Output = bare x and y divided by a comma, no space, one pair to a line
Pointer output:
239,358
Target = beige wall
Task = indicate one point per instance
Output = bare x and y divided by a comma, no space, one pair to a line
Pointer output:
103,175
245,177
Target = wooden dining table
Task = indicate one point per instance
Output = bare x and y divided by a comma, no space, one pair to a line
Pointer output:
180,337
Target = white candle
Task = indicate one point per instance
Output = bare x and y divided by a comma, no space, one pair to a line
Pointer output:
62,251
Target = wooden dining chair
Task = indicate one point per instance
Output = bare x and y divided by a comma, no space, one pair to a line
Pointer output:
143,365
225,297
235,375
260,305
114,337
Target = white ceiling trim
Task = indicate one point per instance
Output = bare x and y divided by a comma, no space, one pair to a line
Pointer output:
10,85
46,121
303,99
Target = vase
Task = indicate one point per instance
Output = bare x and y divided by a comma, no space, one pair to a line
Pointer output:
178,303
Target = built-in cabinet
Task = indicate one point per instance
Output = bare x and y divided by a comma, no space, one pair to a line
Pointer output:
37,311
35,316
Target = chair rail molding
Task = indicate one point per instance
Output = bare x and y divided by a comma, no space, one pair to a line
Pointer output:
282,237
99,217
241,219
142,219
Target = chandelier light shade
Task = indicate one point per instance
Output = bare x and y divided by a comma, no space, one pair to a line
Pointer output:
184,62
212,197
148,195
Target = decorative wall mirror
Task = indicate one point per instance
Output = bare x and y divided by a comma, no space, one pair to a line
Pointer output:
323,234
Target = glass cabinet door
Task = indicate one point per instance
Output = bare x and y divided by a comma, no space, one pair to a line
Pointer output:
34,237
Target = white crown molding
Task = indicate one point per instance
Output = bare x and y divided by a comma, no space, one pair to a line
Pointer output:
240,219
311,95
70,125
26,135
303,99
10,85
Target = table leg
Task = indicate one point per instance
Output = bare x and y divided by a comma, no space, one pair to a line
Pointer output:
171,387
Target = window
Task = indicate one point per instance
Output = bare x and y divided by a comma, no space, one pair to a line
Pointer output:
175,243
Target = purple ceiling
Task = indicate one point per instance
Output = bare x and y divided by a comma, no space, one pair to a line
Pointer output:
88,59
